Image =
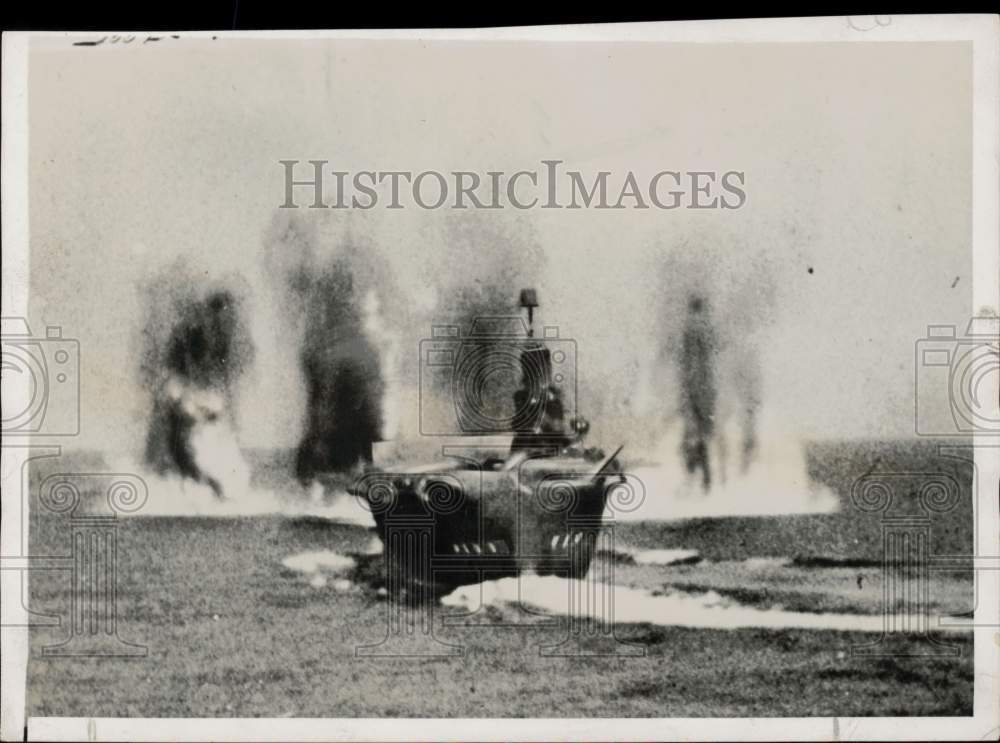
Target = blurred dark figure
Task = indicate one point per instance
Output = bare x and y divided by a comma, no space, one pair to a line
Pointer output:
343,379
200,369
343,409
698,390
747,383
749,437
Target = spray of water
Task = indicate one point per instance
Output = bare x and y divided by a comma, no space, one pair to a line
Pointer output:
611,603
717,448
336,321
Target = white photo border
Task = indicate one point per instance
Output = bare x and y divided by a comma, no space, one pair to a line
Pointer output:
984,34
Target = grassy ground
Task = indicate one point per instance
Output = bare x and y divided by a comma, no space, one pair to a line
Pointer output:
231,632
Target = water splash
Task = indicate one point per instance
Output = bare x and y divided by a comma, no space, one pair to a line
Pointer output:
173,495
715,433
319,560
589,599
775,482
664,557
319,566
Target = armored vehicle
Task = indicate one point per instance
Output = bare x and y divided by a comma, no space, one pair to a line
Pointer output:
495,505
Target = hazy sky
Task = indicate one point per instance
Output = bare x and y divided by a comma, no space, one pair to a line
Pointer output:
857,160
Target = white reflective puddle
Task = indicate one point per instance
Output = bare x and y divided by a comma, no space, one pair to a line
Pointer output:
620,604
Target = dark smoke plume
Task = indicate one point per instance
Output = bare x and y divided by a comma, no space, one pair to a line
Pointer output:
712,327
747,387
699,348
343,380
751,300
323,280
486,263
195,343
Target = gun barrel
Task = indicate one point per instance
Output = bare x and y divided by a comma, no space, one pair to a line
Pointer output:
607,463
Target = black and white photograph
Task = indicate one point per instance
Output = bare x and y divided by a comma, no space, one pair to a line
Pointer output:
629,381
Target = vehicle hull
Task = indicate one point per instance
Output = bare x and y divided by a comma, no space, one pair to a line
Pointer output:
461,524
